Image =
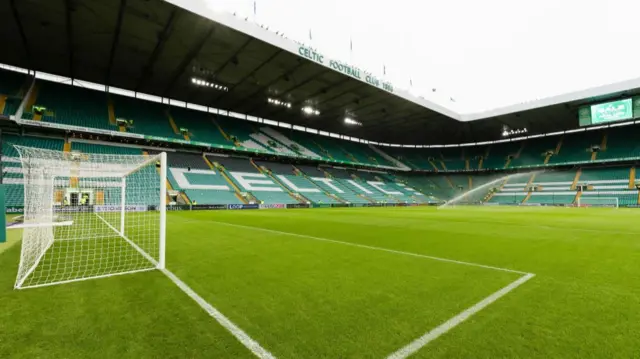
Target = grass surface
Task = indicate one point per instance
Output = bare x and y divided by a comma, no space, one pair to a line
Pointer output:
305,298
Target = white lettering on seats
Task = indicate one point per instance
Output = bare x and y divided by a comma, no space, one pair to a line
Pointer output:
246,180
183,182
295,188
378,186
328,182
359,186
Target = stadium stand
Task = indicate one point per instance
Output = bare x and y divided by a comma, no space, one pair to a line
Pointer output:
249,180
102,148
190,174
325,146
415,159
200,125
297,183
296,147
70,105
243,134
10,91
149,118
331,185
577,147
271,182
535,152
607,182
366,185
620,142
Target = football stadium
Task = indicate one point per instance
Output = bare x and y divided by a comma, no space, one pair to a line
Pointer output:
185,183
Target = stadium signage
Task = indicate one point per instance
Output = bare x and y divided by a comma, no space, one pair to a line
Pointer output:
298,205
131,208
197,207
272,206
73,209
348,70
181,207
243,206
15,209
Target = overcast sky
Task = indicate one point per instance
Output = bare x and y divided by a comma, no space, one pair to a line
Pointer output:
484,54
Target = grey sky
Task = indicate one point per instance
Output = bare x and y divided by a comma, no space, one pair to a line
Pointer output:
484,54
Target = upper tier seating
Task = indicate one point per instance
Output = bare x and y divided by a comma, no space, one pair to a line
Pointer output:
149,118
576,147
246,134
72,105
296,147
322,145
114,149
200,125
534,152
10,96
621,142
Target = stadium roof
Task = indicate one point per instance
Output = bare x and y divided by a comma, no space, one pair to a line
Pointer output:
159,48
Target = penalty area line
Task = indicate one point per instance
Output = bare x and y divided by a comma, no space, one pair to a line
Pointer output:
433,334
365,246
443,328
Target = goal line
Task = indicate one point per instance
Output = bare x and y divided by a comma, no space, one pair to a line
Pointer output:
37,225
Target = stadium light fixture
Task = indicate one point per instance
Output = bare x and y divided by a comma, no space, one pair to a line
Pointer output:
350,121
310,111
277,102
506,132
200,82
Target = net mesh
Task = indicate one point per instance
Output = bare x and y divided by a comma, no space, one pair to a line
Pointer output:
88,215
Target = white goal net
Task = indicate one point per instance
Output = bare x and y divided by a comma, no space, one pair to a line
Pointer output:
596,201
90,215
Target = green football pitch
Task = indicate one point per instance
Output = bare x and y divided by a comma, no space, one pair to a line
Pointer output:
499,282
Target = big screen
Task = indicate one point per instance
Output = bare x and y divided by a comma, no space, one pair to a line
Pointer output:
612,111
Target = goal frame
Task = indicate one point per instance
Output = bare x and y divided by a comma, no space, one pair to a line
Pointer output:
616,201
159,264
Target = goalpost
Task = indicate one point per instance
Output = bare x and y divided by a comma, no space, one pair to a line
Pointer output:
90,215
595,201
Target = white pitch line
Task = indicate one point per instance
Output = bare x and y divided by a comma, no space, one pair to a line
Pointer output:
433,334
443,328
238,333
364,246
242,337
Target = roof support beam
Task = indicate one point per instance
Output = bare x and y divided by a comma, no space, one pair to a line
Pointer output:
328,111
157,50
342,93
374,114
271,83
23,37
250,74
116,39
195,50
232,57
324,89
69,27
297,86
395,121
